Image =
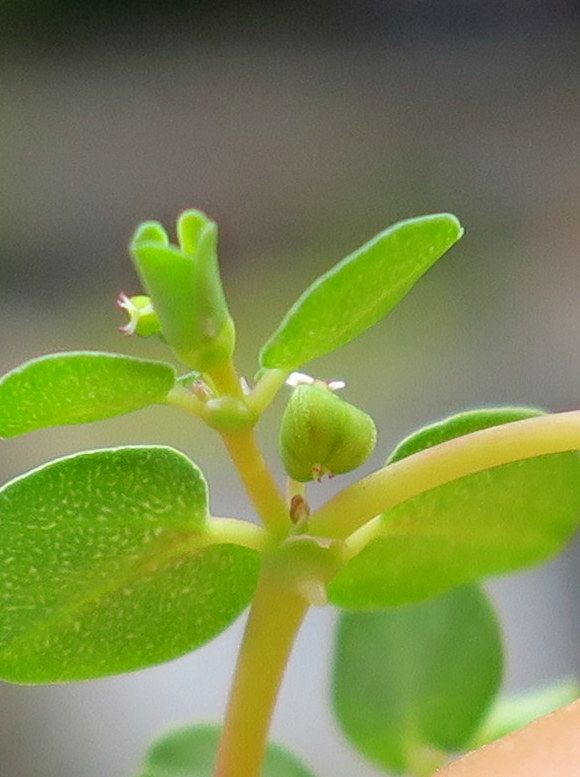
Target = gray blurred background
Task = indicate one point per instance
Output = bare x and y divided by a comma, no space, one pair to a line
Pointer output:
303,128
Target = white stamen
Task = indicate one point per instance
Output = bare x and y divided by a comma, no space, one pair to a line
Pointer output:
299,379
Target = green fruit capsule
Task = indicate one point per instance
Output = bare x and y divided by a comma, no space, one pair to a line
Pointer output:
322,434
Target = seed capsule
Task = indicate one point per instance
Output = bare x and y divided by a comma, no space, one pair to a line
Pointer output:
322,434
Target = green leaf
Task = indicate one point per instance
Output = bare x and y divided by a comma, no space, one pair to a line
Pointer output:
78,387
360,290
409,683
190,752
514,712
103,567
492,522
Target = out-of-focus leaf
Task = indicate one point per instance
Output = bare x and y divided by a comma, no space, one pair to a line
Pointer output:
103,569
514,712
411,682
360,290
495,521
190,752
78,387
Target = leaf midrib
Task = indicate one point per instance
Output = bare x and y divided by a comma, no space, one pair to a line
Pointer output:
165,549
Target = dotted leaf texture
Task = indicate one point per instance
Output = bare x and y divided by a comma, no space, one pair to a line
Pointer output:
411,682
492,522
190,751
103,568
359,290
78,387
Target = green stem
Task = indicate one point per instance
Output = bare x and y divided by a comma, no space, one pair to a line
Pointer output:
180,397
275,617
294,488
257,479
233,531
226,379
457,458
266,389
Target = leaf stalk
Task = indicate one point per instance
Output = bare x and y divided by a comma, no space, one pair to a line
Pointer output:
351,508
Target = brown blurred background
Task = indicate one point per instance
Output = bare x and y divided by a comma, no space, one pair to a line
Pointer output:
303,129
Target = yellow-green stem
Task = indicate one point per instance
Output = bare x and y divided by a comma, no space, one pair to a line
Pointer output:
274,620
182,398
226,379
266,389
457,458
294,488
237,532
257,479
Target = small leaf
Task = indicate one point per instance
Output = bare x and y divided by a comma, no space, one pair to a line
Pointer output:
190,752
360,290
78,387
103,569
514,712
409,683
492,522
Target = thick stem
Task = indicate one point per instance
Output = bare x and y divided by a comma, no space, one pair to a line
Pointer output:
457,458
257,479
275,617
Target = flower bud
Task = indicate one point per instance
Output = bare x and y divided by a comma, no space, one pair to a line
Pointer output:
143,319
186,290
322,434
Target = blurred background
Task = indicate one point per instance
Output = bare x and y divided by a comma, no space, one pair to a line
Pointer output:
303,128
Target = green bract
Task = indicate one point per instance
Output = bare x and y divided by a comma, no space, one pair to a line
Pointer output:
190,752
321,434
77,387
360,290
411,682
185,289
103,567
488,523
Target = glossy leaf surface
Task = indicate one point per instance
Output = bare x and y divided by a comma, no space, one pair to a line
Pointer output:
102,568
411,682
78,387
495,521
516,711
190,752
360,290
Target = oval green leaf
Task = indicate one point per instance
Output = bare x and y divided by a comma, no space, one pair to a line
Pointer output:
190,752
359,290
409,683
492,522
103,567
78,387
